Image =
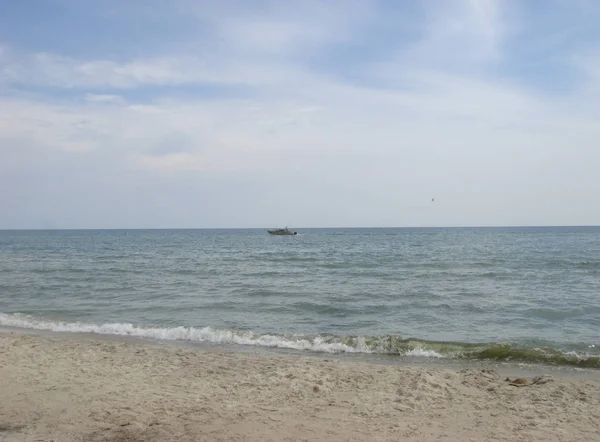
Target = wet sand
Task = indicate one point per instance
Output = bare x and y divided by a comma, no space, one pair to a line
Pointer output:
76,389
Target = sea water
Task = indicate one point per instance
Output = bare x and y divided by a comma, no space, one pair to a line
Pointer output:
510,294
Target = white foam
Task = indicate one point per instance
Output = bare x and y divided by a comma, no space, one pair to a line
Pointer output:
576,355
423,353
205,334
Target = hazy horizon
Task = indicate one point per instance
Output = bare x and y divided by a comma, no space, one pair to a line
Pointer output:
159,114
299,228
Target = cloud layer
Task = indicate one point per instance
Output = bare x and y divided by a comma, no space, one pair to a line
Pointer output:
189,114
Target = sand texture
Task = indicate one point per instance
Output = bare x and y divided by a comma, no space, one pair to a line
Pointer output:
57,389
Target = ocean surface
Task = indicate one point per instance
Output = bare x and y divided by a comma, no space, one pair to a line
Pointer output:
506,294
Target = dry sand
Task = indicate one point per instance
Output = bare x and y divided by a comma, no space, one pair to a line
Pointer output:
99,390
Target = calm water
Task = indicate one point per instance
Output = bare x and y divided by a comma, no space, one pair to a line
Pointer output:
528,294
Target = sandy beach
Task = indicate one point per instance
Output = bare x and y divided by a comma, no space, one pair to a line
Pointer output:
57,389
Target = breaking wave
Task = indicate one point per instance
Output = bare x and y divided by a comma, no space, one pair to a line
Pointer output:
384,345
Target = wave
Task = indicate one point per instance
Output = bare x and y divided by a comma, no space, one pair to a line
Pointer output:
566,263
381,345
206,334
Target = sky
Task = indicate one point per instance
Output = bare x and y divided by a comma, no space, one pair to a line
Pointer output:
307,113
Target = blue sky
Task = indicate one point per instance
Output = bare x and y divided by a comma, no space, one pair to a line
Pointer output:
309,113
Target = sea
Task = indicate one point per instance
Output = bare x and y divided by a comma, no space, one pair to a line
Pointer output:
519,294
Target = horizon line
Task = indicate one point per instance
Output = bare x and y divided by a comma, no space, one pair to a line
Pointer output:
306,228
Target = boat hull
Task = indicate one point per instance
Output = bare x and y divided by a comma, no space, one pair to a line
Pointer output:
281,232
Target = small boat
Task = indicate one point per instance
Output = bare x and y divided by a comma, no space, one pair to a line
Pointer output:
285,231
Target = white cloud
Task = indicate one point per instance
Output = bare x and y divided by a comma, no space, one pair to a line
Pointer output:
429,126
455,36
38,124
282,28
589,65
246,47
104,98
64,72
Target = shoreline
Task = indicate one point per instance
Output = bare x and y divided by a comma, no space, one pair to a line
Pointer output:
98,388
504,368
